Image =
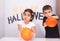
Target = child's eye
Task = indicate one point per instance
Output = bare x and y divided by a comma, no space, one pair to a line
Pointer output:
29,15
49,11
24,14
45,13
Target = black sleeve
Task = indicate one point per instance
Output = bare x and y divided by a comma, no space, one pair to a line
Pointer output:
55,15
44,19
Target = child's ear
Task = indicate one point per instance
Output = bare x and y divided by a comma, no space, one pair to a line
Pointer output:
31,18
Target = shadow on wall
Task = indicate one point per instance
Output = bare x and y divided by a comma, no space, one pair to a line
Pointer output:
59,26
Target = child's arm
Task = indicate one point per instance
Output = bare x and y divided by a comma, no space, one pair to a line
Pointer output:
45,25
33,31
55,17
44,21
19,27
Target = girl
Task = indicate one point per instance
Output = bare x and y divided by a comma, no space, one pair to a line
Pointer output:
27,21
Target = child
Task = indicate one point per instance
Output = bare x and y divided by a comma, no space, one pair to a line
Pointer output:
50,32
27,21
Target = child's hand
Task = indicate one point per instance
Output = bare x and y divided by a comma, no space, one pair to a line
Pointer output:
55,17
45,25
33,34
19,27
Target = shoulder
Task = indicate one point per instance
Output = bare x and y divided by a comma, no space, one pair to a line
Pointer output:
53,14
44,17
19,22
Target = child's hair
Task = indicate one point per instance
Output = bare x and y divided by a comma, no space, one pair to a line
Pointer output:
30,11
47,7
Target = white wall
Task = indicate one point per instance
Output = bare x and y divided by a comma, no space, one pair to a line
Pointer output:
12,29
2,15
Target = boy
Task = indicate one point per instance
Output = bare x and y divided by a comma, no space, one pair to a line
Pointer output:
50,32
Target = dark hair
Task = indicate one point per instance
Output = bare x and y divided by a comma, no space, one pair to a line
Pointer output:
30,11
47,7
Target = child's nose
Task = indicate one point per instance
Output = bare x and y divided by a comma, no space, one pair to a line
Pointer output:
25,16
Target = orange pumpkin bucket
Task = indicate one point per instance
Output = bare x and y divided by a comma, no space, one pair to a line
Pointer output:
26,33
51,22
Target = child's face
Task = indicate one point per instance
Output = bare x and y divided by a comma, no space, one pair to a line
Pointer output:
27,16
47,13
